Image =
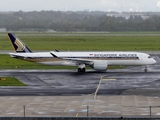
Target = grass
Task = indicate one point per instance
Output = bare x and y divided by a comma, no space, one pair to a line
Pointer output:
87,43
97,43
9,81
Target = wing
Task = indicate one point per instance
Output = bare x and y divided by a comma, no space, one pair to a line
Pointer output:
76,60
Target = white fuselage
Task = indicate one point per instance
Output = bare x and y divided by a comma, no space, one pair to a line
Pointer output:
88,58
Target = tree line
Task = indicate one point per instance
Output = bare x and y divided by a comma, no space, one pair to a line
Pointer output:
76,21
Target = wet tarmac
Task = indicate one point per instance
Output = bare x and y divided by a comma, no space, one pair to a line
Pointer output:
127,92
128,81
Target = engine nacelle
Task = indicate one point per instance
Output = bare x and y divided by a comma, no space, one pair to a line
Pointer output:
100,65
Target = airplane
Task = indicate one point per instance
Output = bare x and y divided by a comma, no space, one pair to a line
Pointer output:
97,60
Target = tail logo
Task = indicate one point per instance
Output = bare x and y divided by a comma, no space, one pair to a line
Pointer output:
20,46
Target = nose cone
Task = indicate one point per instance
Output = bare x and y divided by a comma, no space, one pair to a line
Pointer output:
154,61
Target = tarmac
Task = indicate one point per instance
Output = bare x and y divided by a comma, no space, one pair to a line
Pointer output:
76,106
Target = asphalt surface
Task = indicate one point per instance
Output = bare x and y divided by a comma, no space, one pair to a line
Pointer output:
72,83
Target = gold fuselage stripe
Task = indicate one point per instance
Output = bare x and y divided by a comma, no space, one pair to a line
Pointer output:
48,59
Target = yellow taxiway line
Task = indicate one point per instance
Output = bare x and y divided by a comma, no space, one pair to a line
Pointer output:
95,94
106,79
77,115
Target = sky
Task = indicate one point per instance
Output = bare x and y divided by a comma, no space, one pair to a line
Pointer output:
81,5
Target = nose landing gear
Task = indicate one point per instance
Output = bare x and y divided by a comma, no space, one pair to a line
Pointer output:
146,69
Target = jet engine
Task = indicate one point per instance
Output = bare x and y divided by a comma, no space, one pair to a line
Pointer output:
100,65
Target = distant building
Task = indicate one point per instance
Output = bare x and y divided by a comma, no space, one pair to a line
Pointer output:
128,15
50,30
3,29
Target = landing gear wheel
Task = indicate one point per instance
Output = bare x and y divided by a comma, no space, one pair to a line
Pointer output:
145,70
81,70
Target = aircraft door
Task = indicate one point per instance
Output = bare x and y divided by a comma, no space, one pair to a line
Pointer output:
140,57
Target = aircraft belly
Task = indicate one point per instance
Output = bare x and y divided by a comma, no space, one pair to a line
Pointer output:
121,62
59,63
141,62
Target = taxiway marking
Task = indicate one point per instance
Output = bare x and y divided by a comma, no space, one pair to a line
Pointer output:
77,115
95,94
105,79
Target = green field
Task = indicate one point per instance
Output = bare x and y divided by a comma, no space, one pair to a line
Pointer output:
9,81
80,42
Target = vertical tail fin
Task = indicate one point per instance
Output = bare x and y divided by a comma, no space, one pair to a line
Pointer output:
17,44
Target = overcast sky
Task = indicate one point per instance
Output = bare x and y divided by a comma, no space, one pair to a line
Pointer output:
80,5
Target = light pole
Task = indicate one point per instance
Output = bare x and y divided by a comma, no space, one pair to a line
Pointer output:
150,111
24,110
87,110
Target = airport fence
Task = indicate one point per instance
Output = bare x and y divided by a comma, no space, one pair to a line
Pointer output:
79,118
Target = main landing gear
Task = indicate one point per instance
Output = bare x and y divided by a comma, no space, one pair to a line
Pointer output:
81,68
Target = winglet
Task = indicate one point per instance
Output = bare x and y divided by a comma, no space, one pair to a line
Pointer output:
56,50
17,44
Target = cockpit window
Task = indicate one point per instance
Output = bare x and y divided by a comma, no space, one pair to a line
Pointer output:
149,57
